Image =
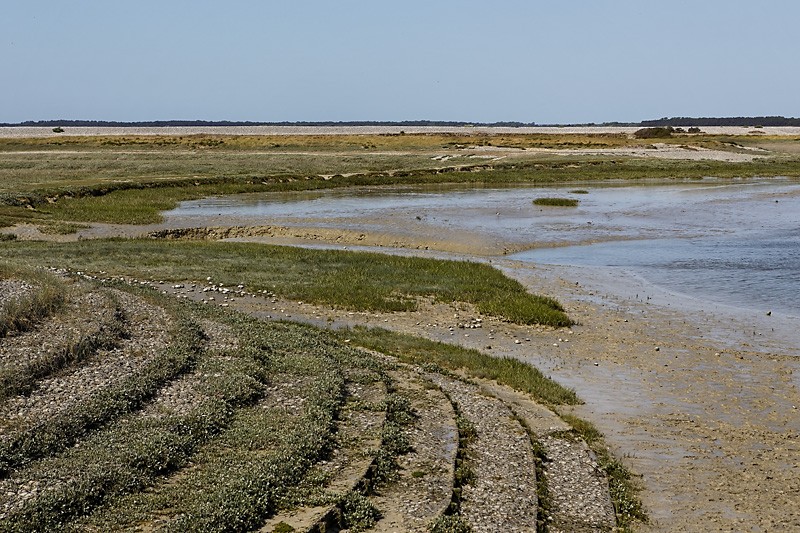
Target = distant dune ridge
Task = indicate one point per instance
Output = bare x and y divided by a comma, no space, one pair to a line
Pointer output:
47,131
50,128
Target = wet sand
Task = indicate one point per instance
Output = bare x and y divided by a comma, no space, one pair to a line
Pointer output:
702,403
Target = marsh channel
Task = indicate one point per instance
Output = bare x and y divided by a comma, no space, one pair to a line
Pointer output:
734,243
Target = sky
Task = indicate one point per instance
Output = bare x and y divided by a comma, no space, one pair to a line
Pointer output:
549,62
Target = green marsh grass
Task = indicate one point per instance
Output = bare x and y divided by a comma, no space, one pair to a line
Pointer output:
140,201
74,173
350,280
47,296
508,371
556,202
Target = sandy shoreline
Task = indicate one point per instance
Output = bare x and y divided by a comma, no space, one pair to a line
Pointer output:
705,411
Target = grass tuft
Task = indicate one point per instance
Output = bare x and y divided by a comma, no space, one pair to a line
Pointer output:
508,371
47,295
556,202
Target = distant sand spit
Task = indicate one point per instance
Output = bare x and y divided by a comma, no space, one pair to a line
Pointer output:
9,132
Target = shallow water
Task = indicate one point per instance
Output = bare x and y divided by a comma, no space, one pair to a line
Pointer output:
734,245
759,270
730,242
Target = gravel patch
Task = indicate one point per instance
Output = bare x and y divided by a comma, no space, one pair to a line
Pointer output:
82,316
578,488
184,394
11,289
220,337
178,398
147,327
502,498
424,487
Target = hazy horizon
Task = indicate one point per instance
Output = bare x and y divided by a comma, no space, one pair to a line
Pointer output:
550,63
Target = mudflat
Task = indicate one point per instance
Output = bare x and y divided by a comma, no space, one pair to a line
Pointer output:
699,400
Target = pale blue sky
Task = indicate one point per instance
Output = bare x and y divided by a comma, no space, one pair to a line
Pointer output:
565,61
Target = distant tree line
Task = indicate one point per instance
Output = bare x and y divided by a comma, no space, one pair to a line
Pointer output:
725,121
198,123
661,122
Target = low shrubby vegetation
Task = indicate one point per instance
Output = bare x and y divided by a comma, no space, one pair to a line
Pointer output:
230,422
21,378
658,132
45,437
246,455
45,296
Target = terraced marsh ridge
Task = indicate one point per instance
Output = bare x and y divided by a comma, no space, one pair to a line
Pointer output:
124,409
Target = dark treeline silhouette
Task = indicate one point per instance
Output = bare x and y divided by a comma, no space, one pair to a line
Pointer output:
661,122
726,121
198,123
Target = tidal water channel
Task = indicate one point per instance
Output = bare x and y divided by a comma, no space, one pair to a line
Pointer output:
734,243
